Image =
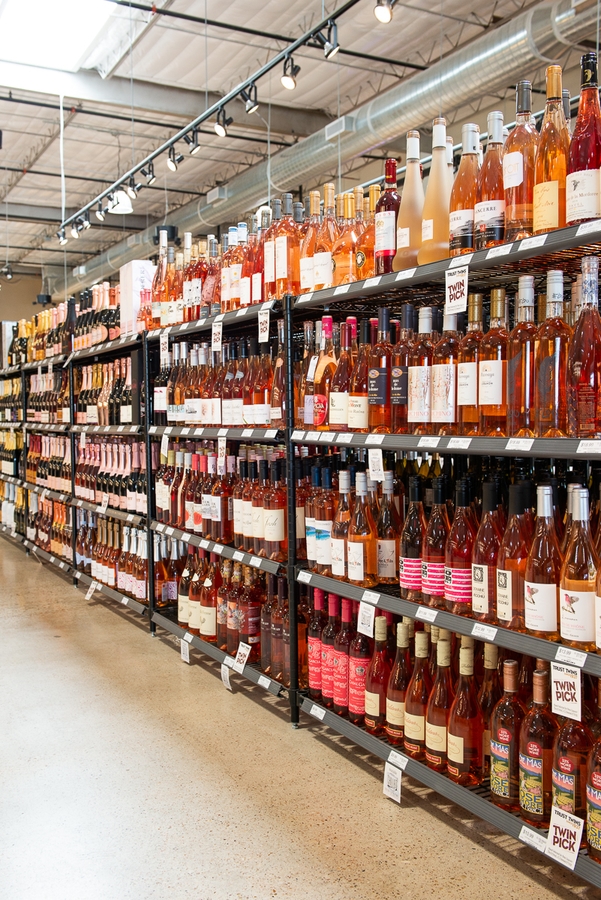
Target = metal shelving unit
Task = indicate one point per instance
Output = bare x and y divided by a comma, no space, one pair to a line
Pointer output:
239,317
106,429
231,434
109,512
47,557
83,579
47,492
247,559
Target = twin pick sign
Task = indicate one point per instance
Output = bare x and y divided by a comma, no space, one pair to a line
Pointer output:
456,289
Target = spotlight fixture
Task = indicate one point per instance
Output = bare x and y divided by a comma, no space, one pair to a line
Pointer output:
100,212
86,220
289,74
74,231
174,159
192,142
148,174
330,44
250,99
62,239
222,123
7,272
131,188
121,204
383,11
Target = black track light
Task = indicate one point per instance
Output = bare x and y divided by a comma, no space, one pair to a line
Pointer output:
7,272
192,142
148,174
330,43
250,99
174,159
289,74
222,123
86,220
62,238
100,212
132,193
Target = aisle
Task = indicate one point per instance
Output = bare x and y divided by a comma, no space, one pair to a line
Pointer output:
128,774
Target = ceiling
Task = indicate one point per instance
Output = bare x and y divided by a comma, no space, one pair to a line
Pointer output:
144,76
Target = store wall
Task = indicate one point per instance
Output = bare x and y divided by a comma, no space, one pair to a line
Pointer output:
17,297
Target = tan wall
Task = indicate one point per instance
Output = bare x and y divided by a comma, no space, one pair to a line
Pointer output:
17,297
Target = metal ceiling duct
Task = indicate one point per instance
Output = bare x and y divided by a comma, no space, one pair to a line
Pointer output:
540,35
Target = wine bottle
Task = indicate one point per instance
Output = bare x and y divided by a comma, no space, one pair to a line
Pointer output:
537,738
492,370
511,561
543,572
379,377
376,680
551,165
466,727
572,746
388,528
342,643
435,216
551,362
409,220
519,158
593,801
584,358
505,723
444,378
360,652
361,544
578,579
484,557
489,211
316,625
416,700
386,220
433,549
521,345
468,359
458,555
328,636
396,690
464,192
339,387
420,375
439,707
414,527
488,695
583,201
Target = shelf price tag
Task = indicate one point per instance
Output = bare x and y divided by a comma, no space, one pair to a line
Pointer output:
225,676
430,442
305,577
405,275
589,447
374,438
341,289
376,464
255,561
456,443
264,682
345,437
91,590
298,435
216,335
571,656
566,691
372,282
318,712
530,243
426,613
263,326
398,760
519,444
533,838
241,657
104,505
502,250
164,445
164,348
238,555
184,649
563,839
392,782
327,436
589,228
486,632
456,279
365,619
370,597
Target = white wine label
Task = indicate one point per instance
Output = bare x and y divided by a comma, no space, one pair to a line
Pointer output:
281,257
372,704
443,393
480,599
582,195
491,382
395,713
358,411
513,169
387,551
415,726
419,393
355,562
504,595
427,229
337,556
274,525
577,615
455,748
322,270
403,237
338,408
540,606
323,531
306,273
546,206
436,738
269,262
467,384
385,240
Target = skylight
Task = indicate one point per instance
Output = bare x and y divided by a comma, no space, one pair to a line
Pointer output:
55,34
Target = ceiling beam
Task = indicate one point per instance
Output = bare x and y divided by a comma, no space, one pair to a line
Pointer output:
24,212
158,98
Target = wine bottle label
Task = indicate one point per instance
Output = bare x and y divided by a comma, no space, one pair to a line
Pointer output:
491,381
281,257
415,726
504,595
403,238
238,515
385,227
395,713
189,515
208,621
410,573
258,522
306,273
443,393
582,195
237,412
216,411
257,287
169,591
513,169
300,523
183,608
480,599
196,292
461,229
194,614
314,662
268,262
377,387
338,408
420,393
489,221
67,414
399,376
311,538
564,785
355,561
593,812
387,553
577,615
125,415
274,525
337,557
427,230
322,269
91,414
436,739
308,410
327,670
248,414
226,413
140,589
221,610
372,705
531,784
341,668
262,414
245,291
457,585
198,524
320,409
499,768
433,578
232,616
110,575
216,508
546,206
455,749
540,606
225,285
358,412
235,275
323,531
207,508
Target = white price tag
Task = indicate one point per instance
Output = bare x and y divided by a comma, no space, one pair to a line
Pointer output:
345,437
312,437
372,282
376,465
164,445
374,438
456,443
168,531
225,676
392,782
104,505
263,326
519,443
426,613
204,544
398,760
589,447
318,712
456,280
221,453
188,637
238,555
563,839
185,538
185,431
428,441
566,699
184,649
229,662
298,435
91,590
270,433
365,619
486,632
264,682
240,312
82,440
216,335
532,242
327,437
502,250
220,317
463,260
124,600
341,289
571,656
405,274
589,227
246,432
241,657
371,597
218,549
533,838
305,577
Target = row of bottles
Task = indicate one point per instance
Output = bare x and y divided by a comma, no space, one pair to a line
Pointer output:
48,397
11,445
97,316
113,554
48,462
104,394
12,507
113,469
49,526
47,334
11,400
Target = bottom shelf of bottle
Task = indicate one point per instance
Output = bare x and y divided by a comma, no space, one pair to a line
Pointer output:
249,672
109,592
10,533
474,799
47,557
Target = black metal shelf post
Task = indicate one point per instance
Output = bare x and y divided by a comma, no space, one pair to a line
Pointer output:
293,592
150,509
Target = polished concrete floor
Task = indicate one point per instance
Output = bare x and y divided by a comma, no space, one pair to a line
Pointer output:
128,774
